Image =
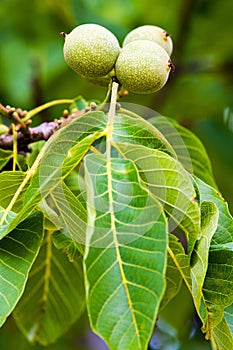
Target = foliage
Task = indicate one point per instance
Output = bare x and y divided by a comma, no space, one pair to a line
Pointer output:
116,192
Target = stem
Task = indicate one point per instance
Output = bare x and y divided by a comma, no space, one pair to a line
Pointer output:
14,146
111,115
39,109
100,107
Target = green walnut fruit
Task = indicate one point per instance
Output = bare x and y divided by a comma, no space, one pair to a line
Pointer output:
152,33
91,50
143,67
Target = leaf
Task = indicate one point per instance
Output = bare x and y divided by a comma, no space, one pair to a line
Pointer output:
79,103
67,245
136,130
63,152
199,258
228,313
171,184
72,181
125,258
177,263
17,253
218,284
54,296
188,147
222,336
5,156
224,230
72,214
9,183
180,260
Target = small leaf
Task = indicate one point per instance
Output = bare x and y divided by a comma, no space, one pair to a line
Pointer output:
125,258
175,269
80,103
180,260
17,253
54,296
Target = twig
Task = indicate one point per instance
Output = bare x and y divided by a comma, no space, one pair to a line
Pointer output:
40,132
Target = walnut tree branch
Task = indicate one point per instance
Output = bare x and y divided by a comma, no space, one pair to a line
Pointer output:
27,135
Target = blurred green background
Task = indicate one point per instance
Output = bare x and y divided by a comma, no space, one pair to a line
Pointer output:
199,93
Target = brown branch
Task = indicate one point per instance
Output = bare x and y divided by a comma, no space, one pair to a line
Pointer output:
27,135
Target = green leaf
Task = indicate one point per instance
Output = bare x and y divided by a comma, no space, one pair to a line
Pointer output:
80,103
188,147
72,214
218,284
5,156
199,258
171,184
180,260
224,230
177,263
54,296
72,181
136,130
17,253
67,245
125,258
222,336
9,183
228,313
63,152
